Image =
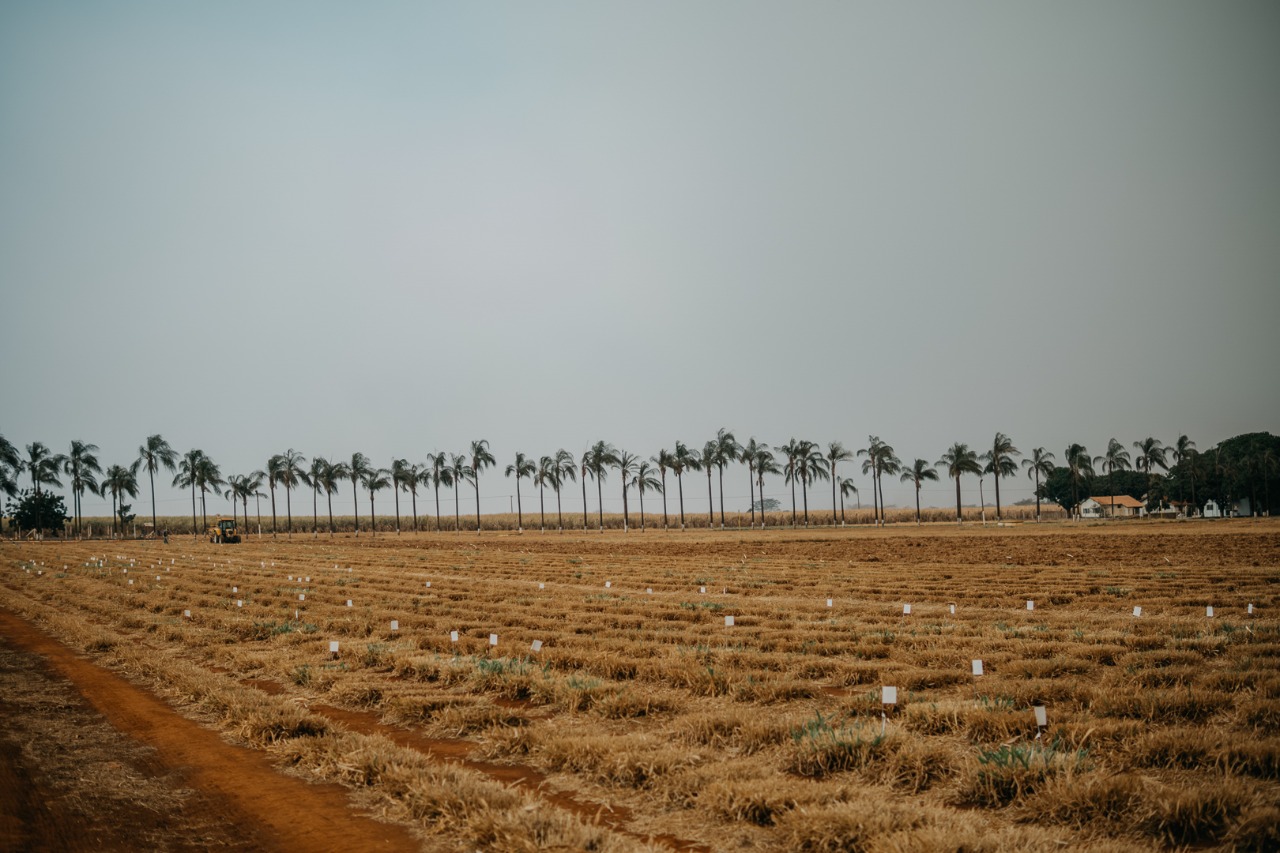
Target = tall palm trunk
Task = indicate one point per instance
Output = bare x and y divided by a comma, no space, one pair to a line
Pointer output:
804,490
542,507
600,501
760,482
751,493
151,475
917,505
315,510
355,501
414,496
559,514
328,496
642,510
373,517
664,498
273,511
584,502
437,485
519,508
457,507
958,517
288,506
996,476
624,503
396,492
721,467
475,481
194,529
711,503
204,515
680,488
793,501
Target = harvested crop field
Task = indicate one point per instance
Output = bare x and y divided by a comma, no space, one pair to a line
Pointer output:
587,691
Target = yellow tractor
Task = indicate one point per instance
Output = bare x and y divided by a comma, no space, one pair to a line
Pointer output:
224,530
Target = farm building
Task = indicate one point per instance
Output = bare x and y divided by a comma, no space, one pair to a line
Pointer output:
1109,506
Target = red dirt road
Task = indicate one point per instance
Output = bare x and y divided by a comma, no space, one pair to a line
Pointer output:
260,808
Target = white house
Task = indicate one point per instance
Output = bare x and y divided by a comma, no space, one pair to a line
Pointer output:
1111,506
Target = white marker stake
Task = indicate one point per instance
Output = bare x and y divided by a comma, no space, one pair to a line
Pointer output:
302,596
333,647
130,579
888,698
1137,611
493,639
728,621
830,602
906,610
1208,611
1042,719
537,645
977,668
395,624
608,584
186,614
290,577
648,590
1031,605
953,610
157,577
453,636
308,578
702,589
1249,609
235,589
542,586
239,603
428,584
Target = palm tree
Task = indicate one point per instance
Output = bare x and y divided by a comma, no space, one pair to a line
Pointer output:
765,464
289,474
186,478
1151,455
747,453
836,453
357,470
846,488
1184,450
418,476
600,458
1000,462
665,460
154,454
234,487
43,465
959,460
1079,465
682,459
880,460
10,465
481,458
460,471
254,485
274,466
627,465
791,470
119,481
330,477
813,467
566,469
81,465
919,471
1039,465
1115,457
315,475
441,475
642,480
401,475
373,480
585,462
522,467
726,452
543,477
706,461
208,478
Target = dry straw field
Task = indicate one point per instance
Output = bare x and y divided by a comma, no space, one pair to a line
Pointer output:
586,691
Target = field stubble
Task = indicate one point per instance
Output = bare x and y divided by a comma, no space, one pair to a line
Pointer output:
646,722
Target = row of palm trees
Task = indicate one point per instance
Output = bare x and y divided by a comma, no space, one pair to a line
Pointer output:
800,462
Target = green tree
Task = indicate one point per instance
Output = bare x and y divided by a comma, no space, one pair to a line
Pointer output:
543,477
375,479
917,474
600,458
706,461
644,480
523,467
836,453
1040,464
847,488
43,465
748,453
402,474
1080,465
315,476
288,472
235,490
39,512
10,465
481,459
185,478
960,460
154,454
81,465
1116,458
441,475
726,452
683,460
208,478
1000,463
332,474
119,480
627,465
1183,453
880,460
813,468
461,472
418,476
793,451
566,469
664,461
765,464
357,470
1150,456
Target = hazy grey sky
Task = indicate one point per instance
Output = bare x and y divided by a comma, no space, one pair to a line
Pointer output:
397,227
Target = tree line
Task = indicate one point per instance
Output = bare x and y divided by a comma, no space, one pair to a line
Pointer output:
1238,467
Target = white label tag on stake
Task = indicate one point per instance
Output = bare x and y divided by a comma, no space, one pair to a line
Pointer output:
888,695
1042,716
453,636
333,646
349,602
830,602
1137,610
428,584
977,667
728,621
542,586
1249,609
1208,612
395,624
239,603
953,610
702,589
906,610
537,645
608,584
1031,605
302,596
493,639
186,613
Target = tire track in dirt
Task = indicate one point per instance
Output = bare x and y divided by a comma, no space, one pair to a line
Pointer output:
285,813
